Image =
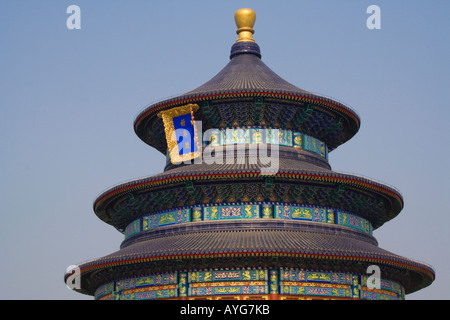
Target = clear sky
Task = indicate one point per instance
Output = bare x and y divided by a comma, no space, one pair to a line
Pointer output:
68,99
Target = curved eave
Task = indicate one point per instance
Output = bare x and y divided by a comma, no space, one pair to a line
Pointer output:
427,274
331,105
323,246
299,176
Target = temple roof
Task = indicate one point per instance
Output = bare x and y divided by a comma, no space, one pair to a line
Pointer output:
246,77
300,177
313,241
246,72
374,201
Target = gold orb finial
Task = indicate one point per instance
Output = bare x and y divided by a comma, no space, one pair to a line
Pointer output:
245,20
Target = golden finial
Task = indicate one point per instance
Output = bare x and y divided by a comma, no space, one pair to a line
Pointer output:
245,20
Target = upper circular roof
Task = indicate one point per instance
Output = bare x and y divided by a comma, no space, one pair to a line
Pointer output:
244,78
246,72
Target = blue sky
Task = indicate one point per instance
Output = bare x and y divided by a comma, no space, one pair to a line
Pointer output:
68,99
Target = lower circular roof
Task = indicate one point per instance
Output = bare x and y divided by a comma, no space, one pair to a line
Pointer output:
295,240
